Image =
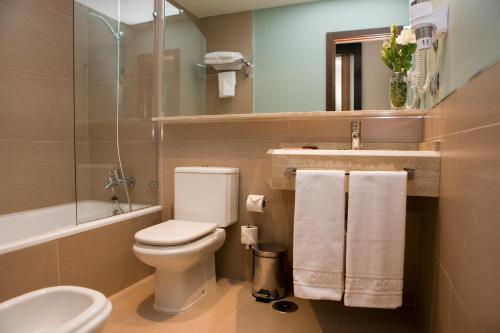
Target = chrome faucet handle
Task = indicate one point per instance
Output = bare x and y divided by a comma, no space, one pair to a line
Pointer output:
355,135
355,126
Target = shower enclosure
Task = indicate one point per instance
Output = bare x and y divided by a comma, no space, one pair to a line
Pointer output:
129,62
115,89
132,60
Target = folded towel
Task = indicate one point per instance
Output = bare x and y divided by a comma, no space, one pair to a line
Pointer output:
234,66
318,236
375,239
223,61
223,55
227,83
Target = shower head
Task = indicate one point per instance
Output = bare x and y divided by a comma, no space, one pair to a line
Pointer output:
118,35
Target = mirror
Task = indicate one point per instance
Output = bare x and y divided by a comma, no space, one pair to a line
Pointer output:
184,48
304,56
355,75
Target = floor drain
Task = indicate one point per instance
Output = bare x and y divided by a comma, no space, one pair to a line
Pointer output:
285,306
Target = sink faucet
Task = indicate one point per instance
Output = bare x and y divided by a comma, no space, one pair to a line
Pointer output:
355,135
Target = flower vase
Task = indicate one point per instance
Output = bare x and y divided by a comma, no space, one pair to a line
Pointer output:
398,91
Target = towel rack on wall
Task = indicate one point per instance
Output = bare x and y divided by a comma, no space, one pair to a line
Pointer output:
292,172
244,69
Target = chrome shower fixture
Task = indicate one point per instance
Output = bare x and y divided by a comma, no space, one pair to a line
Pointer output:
118,35
115,180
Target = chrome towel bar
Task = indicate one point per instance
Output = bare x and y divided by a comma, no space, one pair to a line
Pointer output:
292,172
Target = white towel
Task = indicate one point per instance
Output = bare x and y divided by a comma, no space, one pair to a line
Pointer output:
318,236
223,55
375,239
227,84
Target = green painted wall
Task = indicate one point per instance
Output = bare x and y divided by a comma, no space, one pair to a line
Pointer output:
472,43
289,48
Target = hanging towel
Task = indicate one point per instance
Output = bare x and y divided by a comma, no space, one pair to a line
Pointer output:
375,239
227,84
318,236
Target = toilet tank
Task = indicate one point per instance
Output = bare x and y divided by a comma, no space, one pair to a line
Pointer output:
206,194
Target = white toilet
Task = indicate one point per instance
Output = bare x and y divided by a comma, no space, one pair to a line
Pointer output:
183,249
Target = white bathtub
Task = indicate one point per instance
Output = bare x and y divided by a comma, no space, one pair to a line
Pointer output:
28,228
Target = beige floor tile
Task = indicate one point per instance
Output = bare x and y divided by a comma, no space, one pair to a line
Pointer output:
260,317
231,308
341,319
133,309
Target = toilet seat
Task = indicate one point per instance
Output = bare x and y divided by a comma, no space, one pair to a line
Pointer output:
174,233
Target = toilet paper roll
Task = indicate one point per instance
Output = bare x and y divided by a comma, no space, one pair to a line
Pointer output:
256,203
249,234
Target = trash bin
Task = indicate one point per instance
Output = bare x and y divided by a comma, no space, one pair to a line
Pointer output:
269,277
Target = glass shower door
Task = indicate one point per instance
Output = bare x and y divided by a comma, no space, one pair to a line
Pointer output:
116,148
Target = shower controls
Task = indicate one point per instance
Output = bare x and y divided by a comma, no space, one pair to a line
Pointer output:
115,180
131,181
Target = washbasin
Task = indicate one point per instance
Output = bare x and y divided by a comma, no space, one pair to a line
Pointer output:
61,309
422,166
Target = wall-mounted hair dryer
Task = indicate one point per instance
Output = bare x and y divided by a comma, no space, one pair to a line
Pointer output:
428,23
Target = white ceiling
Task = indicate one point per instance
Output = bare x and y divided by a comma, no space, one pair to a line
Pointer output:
130,11
204,8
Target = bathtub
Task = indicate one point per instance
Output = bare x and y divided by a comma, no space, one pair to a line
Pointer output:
28,228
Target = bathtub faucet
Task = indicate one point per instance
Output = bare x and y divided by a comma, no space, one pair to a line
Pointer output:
115,180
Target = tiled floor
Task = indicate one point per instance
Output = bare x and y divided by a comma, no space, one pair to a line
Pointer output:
231,308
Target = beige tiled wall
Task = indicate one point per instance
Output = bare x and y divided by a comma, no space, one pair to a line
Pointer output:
460,275
100,259
244,144
232,32
36,104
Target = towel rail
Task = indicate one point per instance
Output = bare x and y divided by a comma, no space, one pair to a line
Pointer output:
244,70
292,172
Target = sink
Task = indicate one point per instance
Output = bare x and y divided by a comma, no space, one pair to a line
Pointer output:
62,309
422,166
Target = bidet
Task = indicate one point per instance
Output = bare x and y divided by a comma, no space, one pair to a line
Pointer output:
62,309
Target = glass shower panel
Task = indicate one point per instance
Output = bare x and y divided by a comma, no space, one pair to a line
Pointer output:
184,75
114,91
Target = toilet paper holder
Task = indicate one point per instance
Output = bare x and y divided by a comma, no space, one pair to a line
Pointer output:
266,201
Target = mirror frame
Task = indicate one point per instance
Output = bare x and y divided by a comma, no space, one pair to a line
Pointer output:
343,37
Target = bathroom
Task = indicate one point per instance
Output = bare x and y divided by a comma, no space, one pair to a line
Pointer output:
123,120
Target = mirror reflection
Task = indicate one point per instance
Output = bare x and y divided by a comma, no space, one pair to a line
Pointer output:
315,56
355,72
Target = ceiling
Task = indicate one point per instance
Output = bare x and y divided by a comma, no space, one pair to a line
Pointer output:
204,8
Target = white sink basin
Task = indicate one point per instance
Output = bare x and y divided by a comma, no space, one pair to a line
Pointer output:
62,309
340,152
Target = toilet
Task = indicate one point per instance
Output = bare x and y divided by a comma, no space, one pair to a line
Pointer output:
183,249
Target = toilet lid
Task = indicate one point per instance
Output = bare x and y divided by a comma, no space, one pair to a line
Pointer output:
174,232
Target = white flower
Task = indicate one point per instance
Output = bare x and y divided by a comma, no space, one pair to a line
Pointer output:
407,36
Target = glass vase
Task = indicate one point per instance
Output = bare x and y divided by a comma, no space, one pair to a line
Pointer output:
399,90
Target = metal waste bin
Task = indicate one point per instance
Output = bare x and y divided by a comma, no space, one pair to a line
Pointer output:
269,277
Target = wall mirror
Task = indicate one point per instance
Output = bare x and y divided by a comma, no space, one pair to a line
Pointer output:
356,78
304,55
